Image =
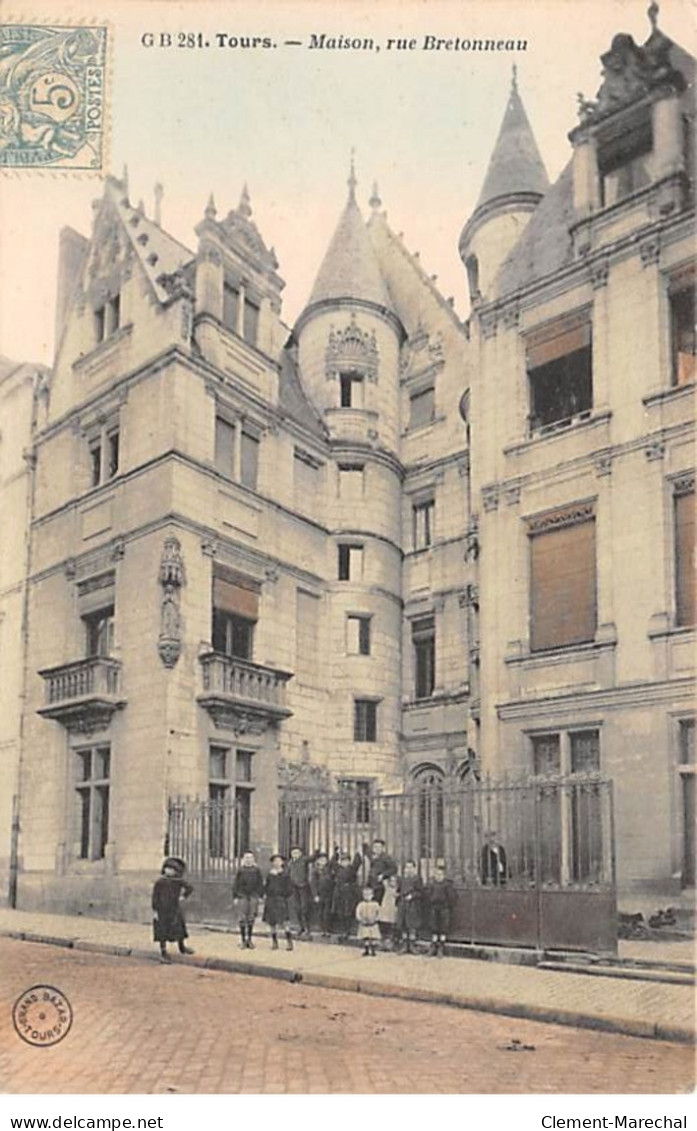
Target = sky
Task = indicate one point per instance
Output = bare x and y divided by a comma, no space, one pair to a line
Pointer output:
284,121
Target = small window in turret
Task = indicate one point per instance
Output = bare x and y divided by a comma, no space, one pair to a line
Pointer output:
625,159
351,389
251,322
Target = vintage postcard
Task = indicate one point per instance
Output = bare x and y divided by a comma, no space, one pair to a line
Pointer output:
347,592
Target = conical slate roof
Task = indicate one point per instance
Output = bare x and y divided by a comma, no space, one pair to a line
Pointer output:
516,165
350,269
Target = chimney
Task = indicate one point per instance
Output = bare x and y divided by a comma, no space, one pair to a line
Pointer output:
72,250
159,193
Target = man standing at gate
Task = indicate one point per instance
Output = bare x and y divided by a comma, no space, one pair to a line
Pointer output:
494,868
382,866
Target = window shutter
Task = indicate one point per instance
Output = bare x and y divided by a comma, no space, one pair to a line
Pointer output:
563,597
558,339
235,593
684,558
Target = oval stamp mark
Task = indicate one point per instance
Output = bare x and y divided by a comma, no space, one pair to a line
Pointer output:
52,90
42,1016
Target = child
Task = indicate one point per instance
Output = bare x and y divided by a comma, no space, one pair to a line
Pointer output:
387,918
440,897
277,891
301,896
322,886
247,890
345,895
409,906
367,913
168,892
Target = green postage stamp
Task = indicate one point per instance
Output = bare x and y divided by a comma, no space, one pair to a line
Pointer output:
52,85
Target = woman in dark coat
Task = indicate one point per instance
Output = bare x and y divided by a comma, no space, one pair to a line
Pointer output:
346,894
168,892
277,893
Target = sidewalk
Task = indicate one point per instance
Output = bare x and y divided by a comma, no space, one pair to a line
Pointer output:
633,1007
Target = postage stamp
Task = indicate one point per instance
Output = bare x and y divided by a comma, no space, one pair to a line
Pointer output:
52,91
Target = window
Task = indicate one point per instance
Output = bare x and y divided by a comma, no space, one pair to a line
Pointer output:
422,407
230,798
351,384
423,515
104,455
429,782
546,754
684,519
682,328
250,459
585,751
307,637
230,307
306,478
559,367
350,562
351,481
355,796
365,720
624,159
251,322
93,769
562,578
357,635
225,446
570,817
686,767
107,319
99,632
235,612
423,635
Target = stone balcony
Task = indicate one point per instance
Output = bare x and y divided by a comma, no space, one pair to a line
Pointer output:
83,695
352,424
241,696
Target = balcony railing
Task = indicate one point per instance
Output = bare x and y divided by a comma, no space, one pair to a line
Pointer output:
242,695
84,694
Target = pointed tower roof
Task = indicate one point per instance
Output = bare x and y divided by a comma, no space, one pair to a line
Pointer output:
516,165
350,269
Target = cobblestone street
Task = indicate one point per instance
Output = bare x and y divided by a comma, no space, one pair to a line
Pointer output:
145,1028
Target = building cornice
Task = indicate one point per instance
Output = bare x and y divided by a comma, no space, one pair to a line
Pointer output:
633,696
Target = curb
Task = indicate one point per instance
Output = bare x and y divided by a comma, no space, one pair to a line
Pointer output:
630,1027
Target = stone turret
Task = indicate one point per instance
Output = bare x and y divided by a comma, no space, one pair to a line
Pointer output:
515,182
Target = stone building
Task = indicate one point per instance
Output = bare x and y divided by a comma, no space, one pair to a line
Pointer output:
380,546
581,411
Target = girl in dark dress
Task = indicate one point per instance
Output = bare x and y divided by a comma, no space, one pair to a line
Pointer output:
168,892
277,892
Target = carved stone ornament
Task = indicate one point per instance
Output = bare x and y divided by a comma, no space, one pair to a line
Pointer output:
354,349
490,497
472,539
303,775
630,73
599,272
650,251
228,717
655,451
169,644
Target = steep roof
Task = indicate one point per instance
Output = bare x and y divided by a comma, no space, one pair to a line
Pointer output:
350,268
292,398
545,245
516,165
158,253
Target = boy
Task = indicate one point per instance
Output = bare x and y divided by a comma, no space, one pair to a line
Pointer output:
367,913
168,921
381,866
345,895
247,890
322,887
409,906
440,897
277,891
301,895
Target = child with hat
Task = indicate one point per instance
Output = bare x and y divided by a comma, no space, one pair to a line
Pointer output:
277,892
169,890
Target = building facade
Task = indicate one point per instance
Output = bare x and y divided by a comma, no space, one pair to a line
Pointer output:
382,546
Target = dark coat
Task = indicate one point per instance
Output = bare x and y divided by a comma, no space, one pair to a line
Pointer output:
411,891
346,894
248,882
381,867
299,871
322,883
440,893
167,893
277,890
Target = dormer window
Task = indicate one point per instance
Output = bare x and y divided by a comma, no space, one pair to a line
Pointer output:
107,319
559,367
104,455
625,158
351,389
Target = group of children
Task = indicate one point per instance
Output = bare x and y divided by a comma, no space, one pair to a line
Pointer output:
387,908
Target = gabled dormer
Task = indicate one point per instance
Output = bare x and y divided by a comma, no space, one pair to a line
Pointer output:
632,159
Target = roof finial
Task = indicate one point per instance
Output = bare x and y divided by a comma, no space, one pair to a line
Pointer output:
211,211
652,13
375,201
352,182
245,205
159,193
514,80
124,178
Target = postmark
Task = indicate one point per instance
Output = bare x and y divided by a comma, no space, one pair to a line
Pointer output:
42,1016
52,97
